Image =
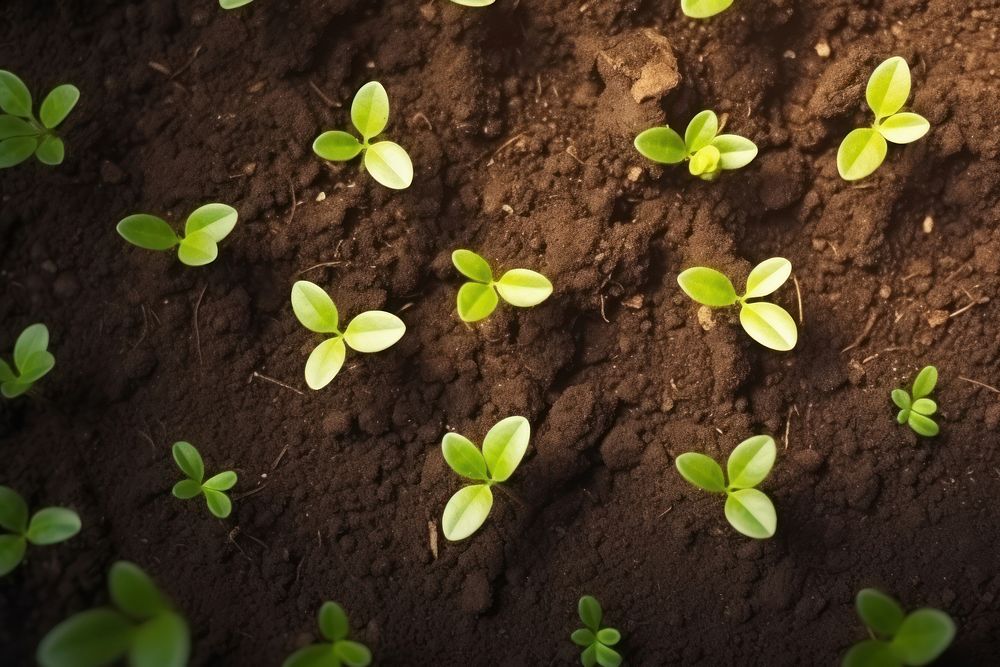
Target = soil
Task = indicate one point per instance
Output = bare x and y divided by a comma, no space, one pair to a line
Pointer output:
519,119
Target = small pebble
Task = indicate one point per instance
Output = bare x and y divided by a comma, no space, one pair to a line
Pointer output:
823,49
928,225
321,196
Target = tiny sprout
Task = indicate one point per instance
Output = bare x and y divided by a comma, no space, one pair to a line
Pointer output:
748,510
703,9
204,229
189,461
233,4
708,153
31,359
863,150
767,323
503,448
337,650
387,162
916,410
371,331
50,525
898,638
21,134
142,625
595,640
478,299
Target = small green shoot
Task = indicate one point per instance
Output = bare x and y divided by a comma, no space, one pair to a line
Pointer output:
478,299
50,525
708,153
748,510
21,134
595,640
387,162
205,228
863,150
503,449
916,409
214,488
142,625
898,638
338,649
32,360
703,9
233,4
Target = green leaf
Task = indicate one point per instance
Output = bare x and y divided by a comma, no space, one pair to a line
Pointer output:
735,151
147,231
198,249
218,502
590,612
504,447
189,460
51,150
922,425
12,126
925,382
16,150
871,653
216,220
860,153
324,362
134,592
337,146
701,130
476,301
221,482
352,654
14,389
471,265
609,636
888,87
879,612
703,9
707,286
163,641
92,638
903,416
607,656
374,331
314,308
37,365
13,510
14,96
662,145
923,636
751,512
6,374
589,656
770,325
389,164
464,457
903,128
702,471
751,461
57,105
705,161
33,339
901,399
53,525
924,406
233,4
12,548
583,637
466,511
186,489
370,109
767,277
332,621
317,655
523,288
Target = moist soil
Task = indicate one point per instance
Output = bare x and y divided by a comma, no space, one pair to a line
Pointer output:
519,119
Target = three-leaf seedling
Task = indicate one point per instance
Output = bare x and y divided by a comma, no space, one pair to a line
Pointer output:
863,150
142,625
205,228
337,650
32,360
214,488
595,640
387,162
916,409
748,510
50,525
478,299
898,638
767,323
703,9
708,153
503,448
21,134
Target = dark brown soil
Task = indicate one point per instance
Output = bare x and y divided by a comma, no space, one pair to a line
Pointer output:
520,125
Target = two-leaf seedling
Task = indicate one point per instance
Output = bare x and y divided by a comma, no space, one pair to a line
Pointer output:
214,488
767,323
32,360
916,409
898,638
595,640
863,150
21,134
142,625
50,525
703,9
503,448
204,230
708,153
387,162
748,510
478,299
337,650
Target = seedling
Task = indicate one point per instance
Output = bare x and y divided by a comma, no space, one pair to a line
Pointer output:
21,134
916,410
503,449
204,230
233,4
748,510
50,525
703,9
917,638
387,162
142,624
708,153
478,299
595,640
32,360
371,331
337,650
863,150
189,461
767,323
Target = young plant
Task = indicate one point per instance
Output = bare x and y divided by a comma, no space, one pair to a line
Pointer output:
708,153
748,510
916,409
503,449
898,638
141,624
864,149
595,640
337,650
371,331
767,323
478,299
387,162
204,229
214,488
50,525
703,9
32,360
233,4
21,134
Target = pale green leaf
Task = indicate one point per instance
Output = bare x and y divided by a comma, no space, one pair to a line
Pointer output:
925,382
703,9
707,287
222,482
389,164
924,406
147,231
901,399
14,389
12,126
36,365
13,510
590,612
607,656
466,511
702,471
94,638
705,161
583,637
923,636
751,461
464,457
233,4
662,145
609,636
352,654
888,87
324,362
51,150
134,592
332,620
374,331
186,489
370,109
337,146
767,277
770,325
523,287
871,653
505,445
903,416
189,460
751,512
314,308
588,658
12,548
317,655
57,105
6,374
701,130
218,502
34,338
53,525
879,611
216,220
471,265
903,128
922,425
16,150
735,151
163,641
198,249
14,96
476,301
860,153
